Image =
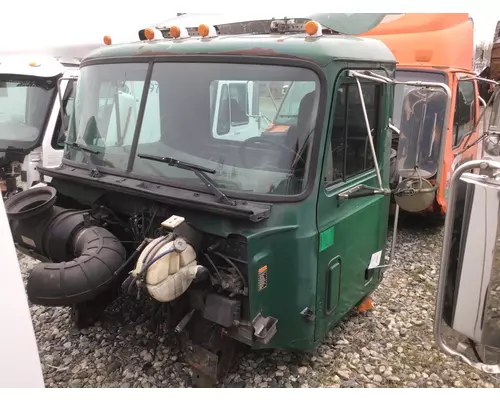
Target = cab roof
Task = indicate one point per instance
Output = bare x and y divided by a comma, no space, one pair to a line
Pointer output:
320,50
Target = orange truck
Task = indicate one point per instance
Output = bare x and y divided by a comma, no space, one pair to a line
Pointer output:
428,47
437,48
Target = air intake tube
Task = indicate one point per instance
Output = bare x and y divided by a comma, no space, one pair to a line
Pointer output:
85,259
99,255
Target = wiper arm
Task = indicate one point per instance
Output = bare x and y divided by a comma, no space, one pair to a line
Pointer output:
12,148
93,171
78,146
200,171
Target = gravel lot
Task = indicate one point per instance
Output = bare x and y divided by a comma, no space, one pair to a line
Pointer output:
392,346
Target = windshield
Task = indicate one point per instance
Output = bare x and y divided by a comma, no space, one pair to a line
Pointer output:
289,109
25,103
401,90
207,114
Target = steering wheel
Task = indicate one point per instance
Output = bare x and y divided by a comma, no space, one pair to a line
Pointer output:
258,139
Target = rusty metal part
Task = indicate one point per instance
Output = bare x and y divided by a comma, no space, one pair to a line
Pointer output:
209,368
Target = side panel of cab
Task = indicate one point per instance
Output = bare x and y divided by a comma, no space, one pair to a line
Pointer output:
463,130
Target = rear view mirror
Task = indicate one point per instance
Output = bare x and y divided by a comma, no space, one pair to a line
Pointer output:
468,299
224,115
423,125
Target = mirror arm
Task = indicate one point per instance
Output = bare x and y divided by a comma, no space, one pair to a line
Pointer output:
478,78
369,133
394,128
370,76
483,103
445,255
362,191
272,97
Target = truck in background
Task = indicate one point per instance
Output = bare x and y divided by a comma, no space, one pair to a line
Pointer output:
490,68
437,48
33,85
31,132
468,300
495,55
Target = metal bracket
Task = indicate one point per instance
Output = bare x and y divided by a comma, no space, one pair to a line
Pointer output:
308,314
264,328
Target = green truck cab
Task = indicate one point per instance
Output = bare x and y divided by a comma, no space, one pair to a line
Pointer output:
267,241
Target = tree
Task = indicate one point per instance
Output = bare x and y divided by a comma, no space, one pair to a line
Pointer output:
483,51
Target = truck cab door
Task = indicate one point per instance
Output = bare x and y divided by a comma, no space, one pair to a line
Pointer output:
352,232
54,138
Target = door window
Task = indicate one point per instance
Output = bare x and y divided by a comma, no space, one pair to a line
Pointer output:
465,111
350,152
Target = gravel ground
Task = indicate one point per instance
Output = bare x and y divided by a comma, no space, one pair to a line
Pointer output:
391,346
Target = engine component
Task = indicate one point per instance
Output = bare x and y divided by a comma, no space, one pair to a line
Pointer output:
182,229
85,258
221,310
30,203
167,267
184,321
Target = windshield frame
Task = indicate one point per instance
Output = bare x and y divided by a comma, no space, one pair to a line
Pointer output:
280,60
28,146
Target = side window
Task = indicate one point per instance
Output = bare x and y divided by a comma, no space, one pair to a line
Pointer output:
350,152
465,112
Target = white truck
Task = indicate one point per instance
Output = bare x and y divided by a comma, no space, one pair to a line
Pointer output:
19,359
31,131
467,320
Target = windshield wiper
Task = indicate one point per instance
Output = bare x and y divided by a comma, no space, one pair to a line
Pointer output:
12,148
201,172
93,171
78,146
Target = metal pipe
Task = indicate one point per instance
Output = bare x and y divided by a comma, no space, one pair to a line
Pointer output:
395,230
